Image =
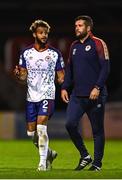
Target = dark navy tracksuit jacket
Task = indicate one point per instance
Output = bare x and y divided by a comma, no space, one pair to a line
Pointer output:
88,66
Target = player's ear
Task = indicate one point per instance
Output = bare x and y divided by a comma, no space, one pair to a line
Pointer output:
34,35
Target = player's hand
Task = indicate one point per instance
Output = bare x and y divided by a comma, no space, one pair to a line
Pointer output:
64,96
16,71
94,94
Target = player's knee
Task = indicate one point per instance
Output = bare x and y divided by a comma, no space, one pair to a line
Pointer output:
30,133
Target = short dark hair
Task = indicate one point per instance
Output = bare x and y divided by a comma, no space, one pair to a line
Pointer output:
37,23
88,20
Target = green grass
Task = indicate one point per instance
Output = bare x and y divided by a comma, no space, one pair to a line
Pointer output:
19,160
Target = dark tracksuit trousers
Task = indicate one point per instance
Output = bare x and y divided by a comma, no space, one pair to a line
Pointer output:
94,109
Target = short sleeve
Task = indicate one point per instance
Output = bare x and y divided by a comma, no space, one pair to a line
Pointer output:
22,61
60,62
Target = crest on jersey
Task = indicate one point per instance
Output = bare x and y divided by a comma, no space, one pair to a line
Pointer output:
47,58
87,48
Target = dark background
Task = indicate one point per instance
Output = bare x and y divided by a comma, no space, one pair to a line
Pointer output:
16,16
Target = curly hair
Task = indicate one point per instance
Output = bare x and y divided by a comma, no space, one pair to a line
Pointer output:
37,23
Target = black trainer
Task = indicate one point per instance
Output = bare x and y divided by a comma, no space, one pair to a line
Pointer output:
50,158
94,168
83,163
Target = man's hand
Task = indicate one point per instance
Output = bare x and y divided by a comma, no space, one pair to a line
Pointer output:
60,76
20,73
16,71
64,96
94,94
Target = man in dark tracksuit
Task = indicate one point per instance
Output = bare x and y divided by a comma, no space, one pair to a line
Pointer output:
86,72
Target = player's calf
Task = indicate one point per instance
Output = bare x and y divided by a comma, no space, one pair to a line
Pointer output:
43,144
35,139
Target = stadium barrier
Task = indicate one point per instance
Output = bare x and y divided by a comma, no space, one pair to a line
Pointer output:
12,124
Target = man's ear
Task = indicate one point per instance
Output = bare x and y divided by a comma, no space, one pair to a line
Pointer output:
34,35
88,28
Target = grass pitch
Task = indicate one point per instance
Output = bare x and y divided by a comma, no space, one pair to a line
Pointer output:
19,160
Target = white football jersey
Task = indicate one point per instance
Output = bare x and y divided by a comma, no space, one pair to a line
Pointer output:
41,68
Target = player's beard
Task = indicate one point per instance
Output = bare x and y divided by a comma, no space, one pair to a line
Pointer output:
41,43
